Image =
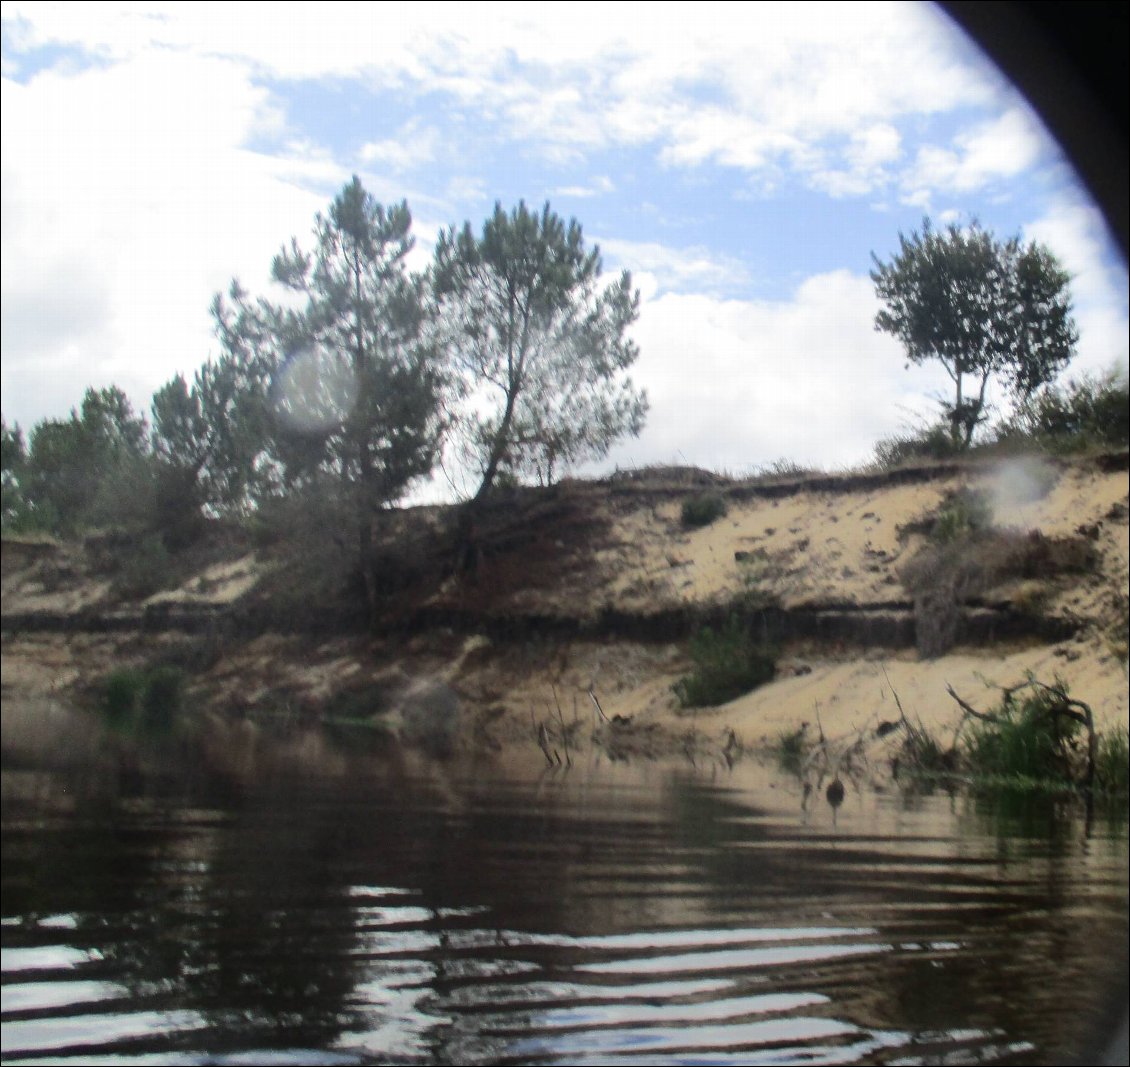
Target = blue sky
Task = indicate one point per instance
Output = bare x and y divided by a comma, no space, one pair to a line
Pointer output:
743,161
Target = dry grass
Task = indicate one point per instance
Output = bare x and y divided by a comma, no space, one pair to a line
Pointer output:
945,575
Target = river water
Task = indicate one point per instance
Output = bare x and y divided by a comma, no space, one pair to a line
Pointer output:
386,911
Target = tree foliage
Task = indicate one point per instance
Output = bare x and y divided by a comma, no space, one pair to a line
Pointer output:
337,381
358,390
91,469
210,439
337,385
541,345
981,308
13,462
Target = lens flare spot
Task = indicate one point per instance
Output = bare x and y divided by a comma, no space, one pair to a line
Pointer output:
315,390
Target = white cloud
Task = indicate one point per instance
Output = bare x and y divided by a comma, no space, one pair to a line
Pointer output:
129,194
753,88
597,187
735,384
989,152
1075,231
415,145
465,187
656,267
867,158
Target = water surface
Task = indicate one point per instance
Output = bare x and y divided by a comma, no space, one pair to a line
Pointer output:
611,914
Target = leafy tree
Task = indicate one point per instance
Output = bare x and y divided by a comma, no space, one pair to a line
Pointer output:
90,469
359,388
542,347
211,440
13,507
979,307
339,382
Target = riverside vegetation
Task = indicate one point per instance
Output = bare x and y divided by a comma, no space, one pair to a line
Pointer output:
261,504
608,645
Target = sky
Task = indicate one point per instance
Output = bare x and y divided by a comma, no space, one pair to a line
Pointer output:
744,162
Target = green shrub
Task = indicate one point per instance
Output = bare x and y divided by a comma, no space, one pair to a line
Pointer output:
703,509
1092,411
965,512
146,569
121,695
727,663
1027,740
1112,762
161,697
149,697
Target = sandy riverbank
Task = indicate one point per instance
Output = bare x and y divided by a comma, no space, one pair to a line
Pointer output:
535,630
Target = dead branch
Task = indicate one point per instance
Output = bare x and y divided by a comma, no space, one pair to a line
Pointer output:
564,732
894,693
968,708
543,744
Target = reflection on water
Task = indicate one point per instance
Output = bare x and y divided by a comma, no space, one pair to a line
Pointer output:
612,914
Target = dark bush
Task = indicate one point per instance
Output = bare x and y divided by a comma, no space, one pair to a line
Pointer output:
145,570
121,694
177,507
792,748
161,697
149,697
728,663
1118,633
947,572
311,535
703,509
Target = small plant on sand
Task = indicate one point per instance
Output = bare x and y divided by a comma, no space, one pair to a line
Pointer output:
924,756
965,512
931,442
792,748
760,579
702,510
1033,735
781,470
728,663
145,697
121,695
